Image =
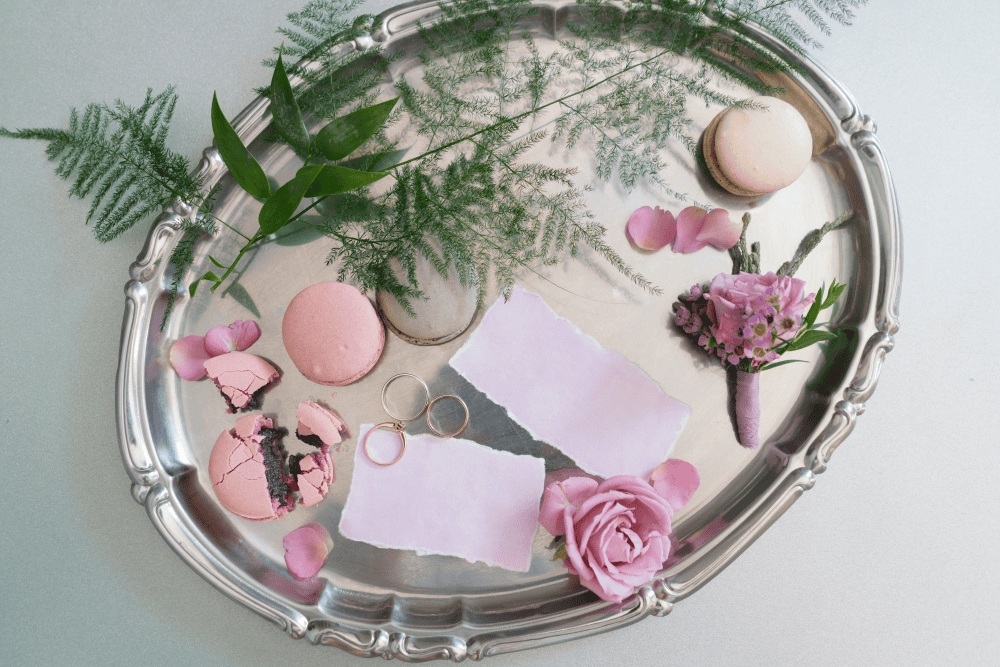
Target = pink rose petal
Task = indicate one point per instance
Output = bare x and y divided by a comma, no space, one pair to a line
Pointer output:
560,496
651,229
676,481
188,356
689,224
237,337
719,231
306,549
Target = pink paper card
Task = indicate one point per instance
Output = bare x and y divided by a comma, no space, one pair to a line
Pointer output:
565,389
445,496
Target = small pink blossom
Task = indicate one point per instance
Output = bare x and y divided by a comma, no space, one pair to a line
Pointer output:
306,550
237,337
188,356
617,530
651,228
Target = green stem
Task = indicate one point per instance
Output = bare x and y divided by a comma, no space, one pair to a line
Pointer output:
222,279
535,110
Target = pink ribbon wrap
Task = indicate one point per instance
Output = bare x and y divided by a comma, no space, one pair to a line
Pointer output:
748,408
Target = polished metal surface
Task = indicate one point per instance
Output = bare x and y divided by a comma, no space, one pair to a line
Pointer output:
392,603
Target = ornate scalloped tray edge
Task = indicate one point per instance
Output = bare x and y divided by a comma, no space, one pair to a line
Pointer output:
158,491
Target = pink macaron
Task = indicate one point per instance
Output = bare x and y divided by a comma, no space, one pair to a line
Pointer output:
247,470
755,151
332,333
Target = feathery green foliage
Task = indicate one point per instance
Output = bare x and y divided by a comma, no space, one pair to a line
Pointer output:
469,199
338,74
118,158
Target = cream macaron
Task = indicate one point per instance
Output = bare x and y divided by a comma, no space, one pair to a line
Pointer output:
755,151
332,333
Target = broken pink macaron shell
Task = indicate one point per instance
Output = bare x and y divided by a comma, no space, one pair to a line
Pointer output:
238,470
697,228
306,550
241,378
651,228
188,356
319,425
313,474
332,333
237,337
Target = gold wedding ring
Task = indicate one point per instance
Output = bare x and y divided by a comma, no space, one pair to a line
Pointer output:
397,428
397,425
460,428
427,396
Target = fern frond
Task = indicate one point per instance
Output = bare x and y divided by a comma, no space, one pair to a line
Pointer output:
119,158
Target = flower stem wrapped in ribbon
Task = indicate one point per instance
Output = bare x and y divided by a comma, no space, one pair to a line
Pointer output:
748,320
617,530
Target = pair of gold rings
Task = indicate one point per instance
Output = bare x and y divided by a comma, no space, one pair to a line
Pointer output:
398,423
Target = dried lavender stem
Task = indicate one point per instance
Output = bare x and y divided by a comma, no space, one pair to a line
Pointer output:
810,242
742,259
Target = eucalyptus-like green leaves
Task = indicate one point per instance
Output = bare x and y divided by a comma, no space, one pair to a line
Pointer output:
246,171
807,338
279,208
822,303
285,110
343,135
333,179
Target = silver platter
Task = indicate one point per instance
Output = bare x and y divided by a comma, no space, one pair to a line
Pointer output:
392,603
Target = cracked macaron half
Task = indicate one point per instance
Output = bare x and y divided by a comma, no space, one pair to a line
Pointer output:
242,379
248,472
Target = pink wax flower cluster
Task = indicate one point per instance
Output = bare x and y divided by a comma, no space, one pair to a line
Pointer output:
189,354
744,318
617,530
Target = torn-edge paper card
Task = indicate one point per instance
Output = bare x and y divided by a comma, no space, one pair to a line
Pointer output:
445,496
558,383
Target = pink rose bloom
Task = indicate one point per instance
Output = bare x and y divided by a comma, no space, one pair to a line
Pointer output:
733,298
617,531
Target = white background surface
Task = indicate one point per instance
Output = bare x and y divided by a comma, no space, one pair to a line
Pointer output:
890,560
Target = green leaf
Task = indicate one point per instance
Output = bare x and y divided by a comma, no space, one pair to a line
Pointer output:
813,311
217,263
280,206
833,295
560,553
808,338
342,136
246,171
208,275
285,110
775,364
334,179
298,233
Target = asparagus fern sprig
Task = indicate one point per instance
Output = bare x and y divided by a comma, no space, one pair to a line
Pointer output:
465,195
117,157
